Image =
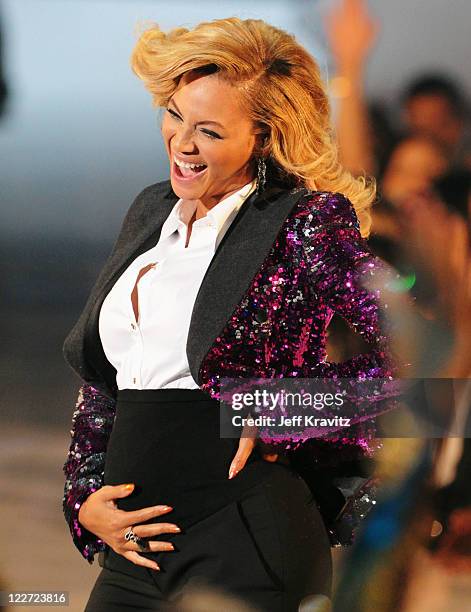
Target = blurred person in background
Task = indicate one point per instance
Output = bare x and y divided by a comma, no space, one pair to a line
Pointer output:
427,156
414,164
414,552
454,189
351,33
407,159
431,104
434,104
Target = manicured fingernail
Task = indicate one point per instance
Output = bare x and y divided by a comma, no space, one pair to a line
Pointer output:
157,567
232,472
129,487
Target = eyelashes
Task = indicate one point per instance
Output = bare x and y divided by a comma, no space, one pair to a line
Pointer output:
208,133
212,135
173,113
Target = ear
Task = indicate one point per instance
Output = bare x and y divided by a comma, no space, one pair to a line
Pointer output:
261,142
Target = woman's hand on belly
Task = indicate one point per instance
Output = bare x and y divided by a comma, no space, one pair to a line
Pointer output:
100,515
246,445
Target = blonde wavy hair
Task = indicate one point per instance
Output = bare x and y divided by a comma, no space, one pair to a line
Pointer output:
281,90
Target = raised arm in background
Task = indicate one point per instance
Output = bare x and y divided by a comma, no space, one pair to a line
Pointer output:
351,32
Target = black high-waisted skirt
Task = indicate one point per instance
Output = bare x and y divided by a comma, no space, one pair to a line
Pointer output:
258,536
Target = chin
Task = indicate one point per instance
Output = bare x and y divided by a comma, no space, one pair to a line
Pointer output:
184,192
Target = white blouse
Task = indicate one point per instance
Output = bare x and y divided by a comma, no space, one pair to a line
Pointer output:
148,346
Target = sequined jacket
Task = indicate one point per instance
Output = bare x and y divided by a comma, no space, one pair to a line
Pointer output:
290,259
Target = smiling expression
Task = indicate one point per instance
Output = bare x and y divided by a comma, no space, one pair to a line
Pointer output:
209,139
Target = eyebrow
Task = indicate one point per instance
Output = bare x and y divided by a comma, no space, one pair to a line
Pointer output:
198,123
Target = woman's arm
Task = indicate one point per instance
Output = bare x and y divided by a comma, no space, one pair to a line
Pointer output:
350,280
92,422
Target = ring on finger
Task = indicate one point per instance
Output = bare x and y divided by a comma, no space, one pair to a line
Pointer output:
130,536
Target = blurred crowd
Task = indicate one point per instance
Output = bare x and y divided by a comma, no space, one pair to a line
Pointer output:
420,156
423,149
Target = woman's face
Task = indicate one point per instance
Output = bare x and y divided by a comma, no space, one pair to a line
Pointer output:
433,114
204,124
414,165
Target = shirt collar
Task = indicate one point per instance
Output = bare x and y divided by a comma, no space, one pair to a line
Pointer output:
220,216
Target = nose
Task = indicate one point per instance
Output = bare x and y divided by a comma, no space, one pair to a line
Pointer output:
183,140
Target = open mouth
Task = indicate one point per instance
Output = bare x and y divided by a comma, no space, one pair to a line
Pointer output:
188,171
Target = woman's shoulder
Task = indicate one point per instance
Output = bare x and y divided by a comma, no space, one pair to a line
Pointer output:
327,208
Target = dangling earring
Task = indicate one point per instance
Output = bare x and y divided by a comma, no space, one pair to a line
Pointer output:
261,174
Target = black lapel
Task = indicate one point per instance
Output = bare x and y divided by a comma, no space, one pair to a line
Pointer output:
151,221
82,347
237,260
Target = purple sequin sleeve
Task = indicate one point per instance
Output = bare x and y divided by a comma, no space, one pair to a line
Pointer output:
348,278
92,422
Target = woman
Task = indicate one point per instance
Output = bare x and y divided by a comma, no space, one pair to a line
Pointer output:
233,268
414,163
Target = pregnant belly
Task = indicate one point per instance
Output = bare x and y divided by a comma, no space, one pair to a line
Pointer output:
175,456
